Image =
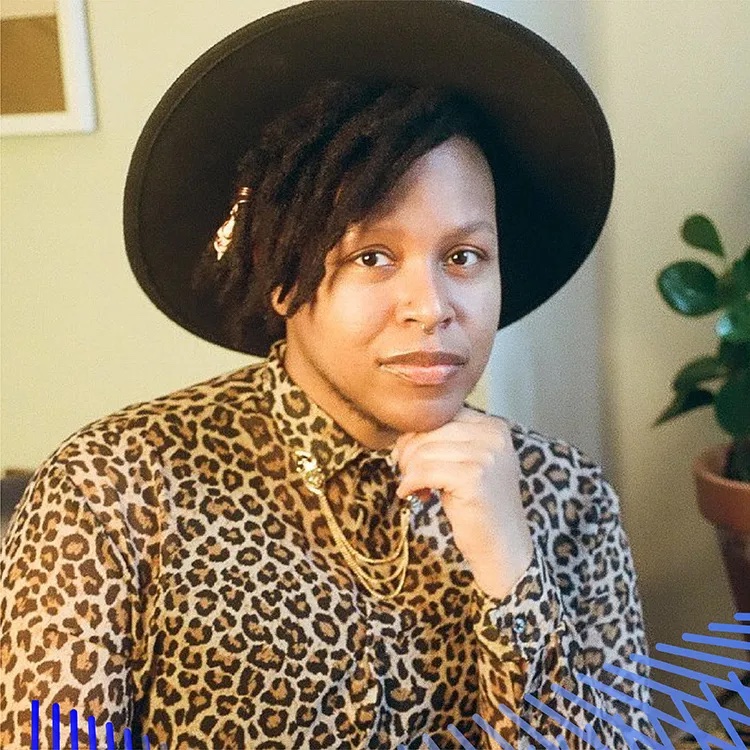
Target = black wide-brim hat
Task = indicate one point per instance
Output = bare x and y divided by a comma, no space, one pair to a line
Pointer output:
558,161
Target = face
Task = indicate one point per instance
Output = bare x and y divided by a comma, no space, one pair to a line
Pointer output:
403,323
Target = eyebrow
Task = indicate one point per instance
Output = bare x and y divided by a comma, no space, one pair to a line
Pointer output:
473,226
455,232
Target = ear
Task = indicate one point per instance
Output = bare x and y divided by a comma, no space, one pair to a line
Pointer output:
280,308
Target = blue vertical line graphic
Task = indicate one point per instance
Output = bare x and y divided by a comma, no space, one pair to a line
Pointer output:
34,725
73,729
743,691
628,733
681,700
690,723
590,736
650,711
662,736
55,726
601,688
709,641
721,712
667,666
690,653
658,718
599,713
487,729
710,704
720,627
653,714
92,733
429,743
691,727
456,734
519,722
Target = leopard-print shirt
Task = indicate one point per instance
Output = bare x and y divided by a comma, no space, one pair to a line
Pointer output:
169,570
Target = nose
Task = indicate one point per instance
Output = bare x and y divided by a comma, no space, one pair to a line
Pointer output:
424,298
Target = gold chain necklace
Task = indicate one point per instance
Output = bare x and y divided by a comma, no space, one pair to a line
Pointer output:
313,477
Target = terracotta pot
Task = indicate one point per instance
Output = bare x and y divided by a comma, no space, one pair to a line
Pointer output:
726,504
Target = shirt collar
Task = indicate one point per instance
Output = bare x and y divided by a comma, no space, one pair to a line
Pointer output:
305,426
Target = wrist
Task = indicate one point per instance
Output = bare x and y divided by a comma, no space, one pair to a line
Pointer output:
497,578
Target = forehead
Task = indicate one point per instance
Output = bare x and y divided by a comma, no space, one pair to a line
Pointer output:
450,183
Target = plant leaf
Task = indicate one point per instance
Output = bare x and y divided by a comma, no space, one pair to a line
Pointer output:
734,284
698,371
699,231
734,324
738,465
740,275
734,356
732,404
689,288
684,402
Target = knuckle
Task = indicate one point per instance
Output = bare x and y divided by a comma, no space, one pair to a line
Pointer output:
487,458
476,472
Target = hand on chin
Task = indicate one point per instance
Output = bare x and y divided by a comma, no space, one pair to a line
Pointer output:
472,461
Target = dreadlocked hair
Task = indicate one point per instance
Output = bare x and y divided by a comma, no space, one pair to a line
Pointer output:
317,169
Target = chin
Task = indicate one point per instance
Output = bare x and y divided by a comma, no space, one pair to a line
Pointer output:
425,416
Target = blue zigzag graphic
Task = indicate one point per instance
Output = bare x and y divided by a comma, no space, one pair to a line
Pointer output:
693,734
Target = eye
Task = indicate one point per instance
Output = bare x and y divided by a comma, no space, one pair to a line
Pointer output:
465,257
370,257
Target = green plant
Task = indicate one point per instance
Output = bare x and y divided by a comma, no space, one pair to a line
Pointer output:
692,288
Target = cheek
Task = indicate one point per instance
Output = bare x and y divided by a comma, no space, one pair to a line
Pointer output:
343,319
480,304
357,311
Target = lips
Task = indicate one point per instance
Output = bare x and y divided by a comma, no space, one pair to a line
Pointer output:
424,367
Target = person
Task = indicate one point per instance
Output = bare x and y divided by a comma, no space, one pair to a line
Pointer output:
331,548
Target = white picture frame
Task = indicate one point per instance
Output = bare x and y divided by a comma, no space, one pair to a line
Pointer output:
79,113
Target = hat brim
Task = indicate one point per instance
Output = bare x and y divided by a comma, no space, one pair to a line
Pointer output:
551,127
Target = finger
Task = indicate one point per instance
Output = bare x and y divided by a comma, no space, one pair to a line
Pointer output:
427,441
437,475
464,414
446,452
450,431
401,441
485,432
471,416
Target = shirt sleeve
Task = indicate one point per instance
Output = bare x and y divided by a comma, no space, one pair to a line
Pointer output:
538,636
69,608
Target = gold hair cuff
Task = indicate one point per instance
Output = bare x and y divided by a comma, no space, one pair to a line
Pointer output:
224,233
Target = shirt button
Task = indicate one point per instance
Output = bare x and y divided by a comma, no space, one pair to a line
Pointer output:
519,624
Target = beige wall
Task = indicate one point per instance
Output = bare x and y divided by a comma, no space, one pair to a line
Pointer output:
677,92
546,370
79,338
